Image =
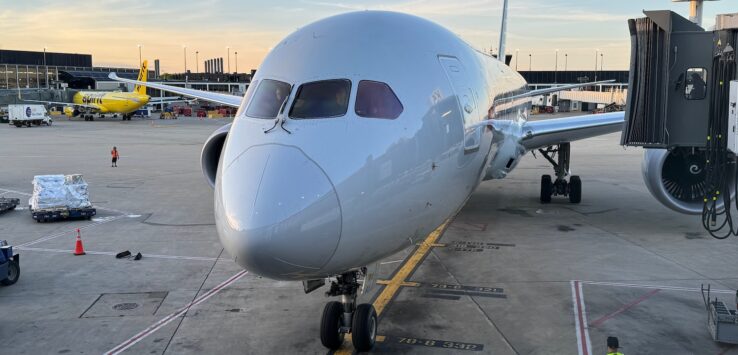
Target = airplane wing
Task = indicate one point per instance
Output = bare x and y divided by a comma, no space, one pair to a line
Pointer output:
544,133
554,89
62,103
223,99
167,100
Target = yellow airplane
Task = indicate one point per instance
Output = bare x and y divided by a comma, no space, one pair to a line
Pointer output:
89,103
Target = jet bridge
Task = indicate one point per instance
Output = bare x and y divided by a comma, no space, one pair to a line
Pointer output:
678,107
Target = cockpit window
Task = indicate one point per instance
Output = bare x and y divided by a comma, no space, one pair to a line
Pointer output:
268,99
249,92
375,99
321,99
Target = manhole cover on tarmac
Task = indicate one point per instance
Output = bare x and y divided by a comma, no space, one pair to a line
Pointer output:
125,304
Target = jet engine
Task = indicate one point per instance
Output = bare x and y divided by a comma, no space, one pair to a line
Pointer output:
676,178
210,155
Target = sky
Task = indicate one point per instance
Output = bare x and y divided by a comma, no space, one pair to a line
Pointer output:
111,30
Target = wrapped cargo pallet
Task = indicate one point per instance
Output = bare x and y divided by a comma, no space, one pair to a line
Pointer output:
59,191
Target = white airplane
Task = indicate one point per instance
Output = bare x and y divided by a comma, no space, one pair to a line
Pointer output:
360,134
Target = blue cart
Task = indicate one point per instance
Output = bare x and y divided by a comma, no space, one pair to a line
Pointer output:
7,204
9,264
58,214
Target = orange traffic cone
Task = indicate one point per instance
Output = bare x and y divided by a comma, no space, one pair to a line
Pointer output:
78,248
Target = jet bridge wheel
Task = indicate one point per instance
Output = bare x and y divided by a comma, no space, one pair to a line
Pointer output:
330,326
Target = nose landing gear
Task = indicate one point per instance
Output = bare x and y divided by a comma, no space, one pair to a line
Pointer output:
571,188
341,318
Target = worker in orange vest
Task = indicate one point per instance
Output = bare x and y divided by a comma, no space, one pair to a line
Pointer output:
115,155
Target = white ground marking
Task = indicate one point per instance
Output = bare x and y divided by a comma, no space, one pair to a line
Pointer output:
660,287
145,255
57,235
180,312
584,347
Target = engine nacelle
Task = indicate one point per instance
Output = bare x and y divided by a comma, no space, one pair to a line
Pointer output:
210,155
676,178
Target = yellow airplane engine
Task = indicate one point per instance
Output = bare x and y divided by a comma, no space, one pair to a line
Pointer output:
70,111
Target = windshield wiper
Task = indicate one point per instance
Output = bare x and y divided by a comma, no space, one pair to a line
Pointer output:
280,117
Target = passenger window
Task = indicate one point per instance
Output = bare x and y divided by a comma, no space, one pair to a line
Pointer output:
268,99
377,100
321,99
696,84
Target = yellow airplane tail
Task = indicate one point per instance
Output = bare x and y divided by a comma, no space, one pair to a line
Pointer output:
142,75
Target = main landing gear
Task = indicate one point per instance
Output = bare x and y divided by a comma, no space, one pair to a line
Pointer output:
571,188
340,318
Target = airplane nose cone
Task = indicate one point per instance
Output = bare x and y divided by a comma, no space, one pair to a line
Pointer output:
277,212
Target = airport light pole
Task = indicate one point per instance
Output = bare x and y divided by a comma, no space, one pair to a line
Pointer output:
236,62
602,62
139,55
556,67
597,51
566,61
228,49
46,70
197,62
517,51
530,61
185,58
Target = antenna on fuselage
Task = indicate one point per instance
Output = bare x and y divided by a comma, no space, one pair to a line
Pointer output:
503,33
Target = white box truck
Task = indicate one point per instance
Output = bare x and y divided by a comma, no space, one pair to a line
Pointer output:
28,115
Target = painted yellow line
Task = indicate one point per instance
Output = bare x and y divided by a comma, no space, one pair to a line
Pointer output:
393,285
406,269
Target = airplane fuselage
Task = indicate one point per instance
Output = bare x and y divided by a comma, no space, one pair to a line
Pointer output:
111,102
316,197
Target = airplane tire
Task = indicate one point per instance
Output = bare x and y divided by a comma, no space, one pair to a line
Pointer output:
330,325
546,188
575,189
364,329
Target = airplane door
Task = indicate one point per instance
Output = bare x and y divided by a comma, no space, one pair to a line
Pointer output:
467,99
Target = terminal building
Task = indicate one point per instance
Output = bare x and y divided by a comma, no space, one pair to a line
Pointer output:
28,70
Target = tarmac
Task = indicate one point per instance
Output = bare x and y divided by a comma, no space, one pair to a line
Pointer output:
507,275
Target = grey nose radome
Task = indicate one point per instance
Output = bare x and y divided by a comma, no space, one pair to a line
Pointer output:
277,212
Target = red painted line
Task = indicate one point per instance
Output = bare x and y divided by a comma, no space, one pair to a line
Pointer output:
580,313
624,308
166,320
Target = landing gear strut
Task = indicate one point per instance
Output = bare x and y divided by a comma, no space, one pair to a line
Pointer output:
571,188
340,318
